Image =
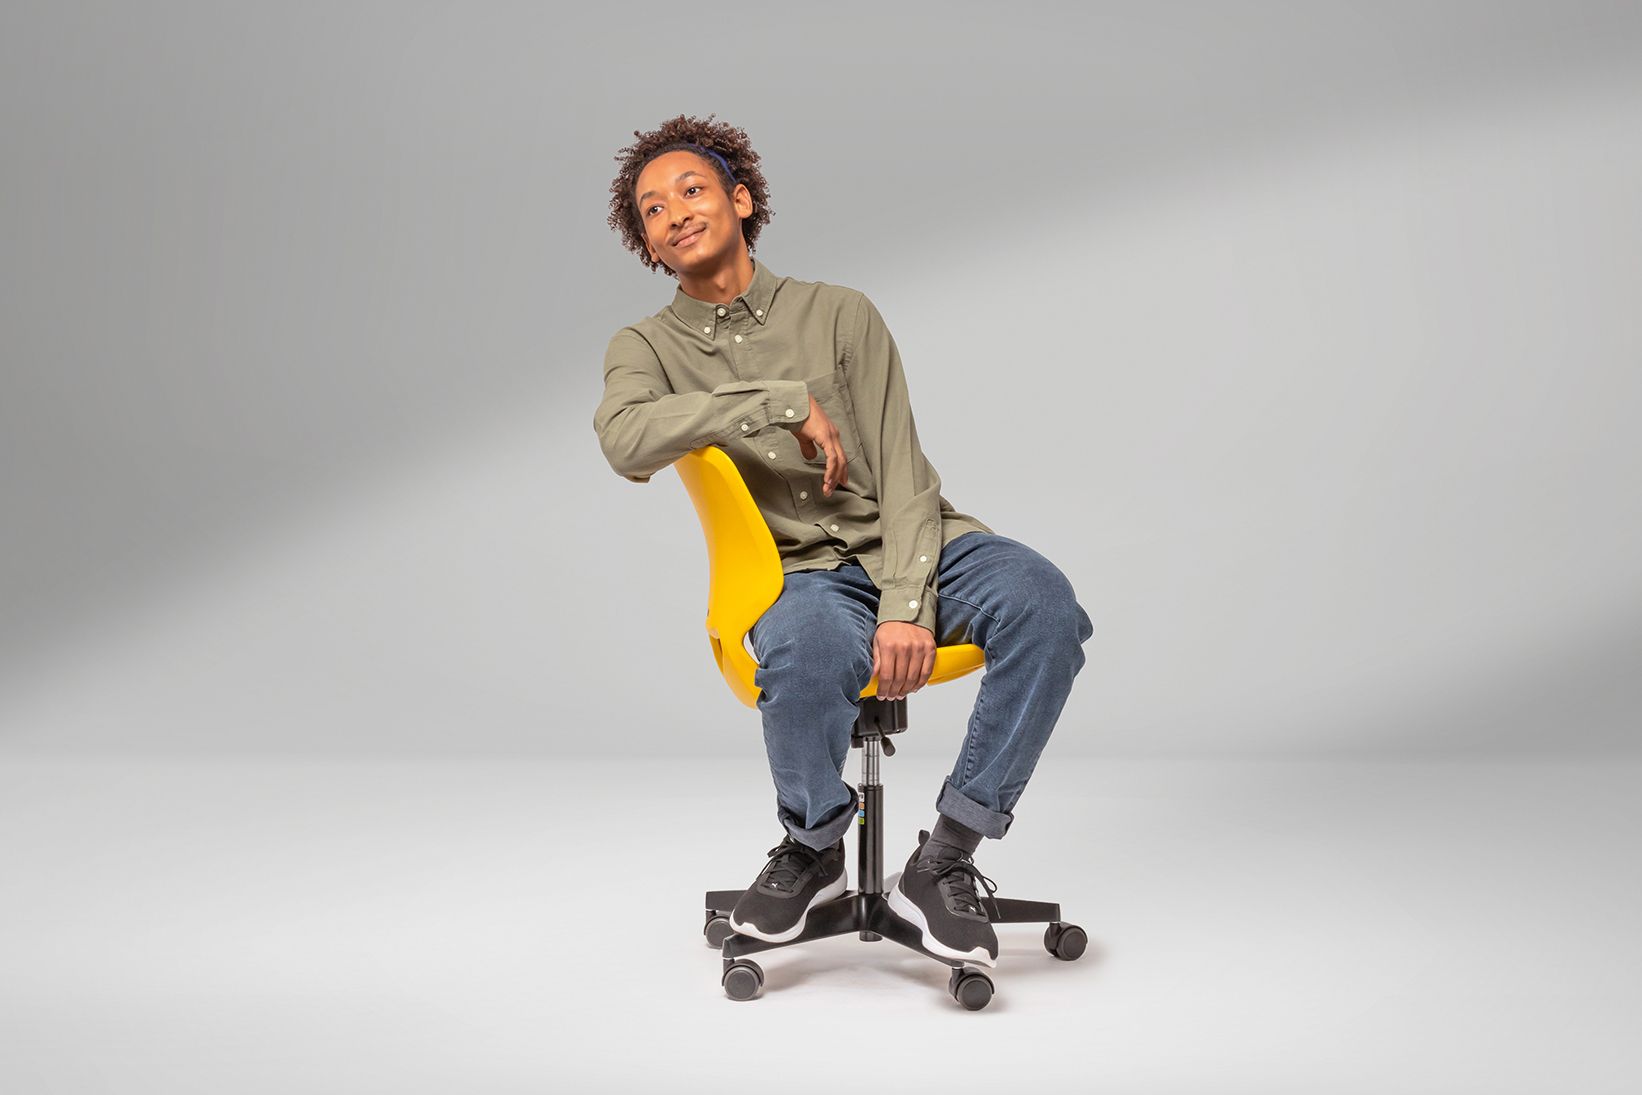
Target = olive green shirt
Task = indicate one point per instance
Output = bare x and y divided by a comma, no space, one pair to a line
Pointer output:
740,375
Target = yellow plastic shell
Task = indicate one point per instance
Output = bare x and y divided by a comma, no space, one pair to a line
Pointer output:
744,575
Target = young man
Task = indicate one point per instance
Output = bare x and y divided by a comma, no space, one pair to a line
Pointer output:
802,385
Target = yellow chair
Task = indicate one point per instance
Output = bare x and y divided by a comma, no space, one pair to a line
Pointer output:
744,580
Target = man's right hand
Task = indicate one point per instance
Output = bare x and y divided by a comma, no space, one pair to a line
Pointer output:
818,430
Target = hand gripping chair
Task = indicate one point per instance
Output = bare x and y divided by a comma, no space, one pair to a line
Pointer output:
744,579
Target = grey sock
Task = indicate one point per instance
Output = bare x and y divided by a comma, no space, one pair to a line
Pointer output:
951,837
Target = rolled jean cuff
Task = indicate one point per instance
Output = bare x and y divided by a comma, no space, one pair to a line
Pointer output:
825,834
961,808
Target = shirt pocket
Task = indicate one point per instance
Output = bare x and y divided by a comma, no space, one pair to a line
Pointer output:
832,395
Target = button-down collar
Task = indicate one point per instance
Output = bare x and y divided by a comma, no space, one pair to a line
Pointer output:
704,316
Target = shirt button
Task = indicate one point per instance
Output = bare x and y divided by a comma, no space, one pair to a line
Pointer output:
921,558
738,338
835,528
758,311
912,604
803,494
745,426
721,311
706,330
789,412
772,456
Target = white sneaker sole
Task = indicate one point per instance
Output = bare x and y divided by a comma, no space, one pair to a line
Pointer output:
903,907
822,896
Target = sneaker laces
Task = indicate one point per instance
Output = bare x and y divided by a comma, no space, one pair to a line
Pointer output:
789,860
956,878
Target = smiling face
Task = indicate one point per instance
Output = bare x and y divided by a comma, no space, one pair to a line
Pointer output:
690,222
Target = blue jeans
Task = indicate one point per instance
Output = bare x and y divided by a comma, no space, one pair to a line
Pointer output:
814,648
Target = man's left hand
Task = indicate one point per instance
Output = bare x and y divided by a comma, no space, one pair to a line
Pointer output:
903,657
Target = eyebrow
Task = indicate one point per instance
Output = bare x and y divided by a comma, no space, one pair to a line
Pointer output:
681,178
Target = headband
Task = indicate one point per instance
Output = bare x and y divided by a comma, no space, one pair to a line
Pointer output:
720,159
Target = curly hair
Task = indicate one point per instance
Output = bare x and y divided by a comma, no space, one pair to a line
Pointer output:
692,134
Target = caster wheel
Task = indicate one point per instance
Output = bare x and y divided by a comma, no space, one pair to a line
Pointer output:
717,930
1065,941
743,980
971,988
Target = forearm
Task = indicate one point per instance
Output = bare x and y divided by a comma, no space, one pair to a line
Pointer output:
641,434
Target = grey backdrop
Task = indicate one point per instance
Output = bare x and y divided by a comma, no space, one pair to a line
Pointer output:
304,306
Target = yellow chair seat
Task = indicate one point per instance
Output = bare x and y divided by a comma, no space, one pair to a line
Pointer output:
745,577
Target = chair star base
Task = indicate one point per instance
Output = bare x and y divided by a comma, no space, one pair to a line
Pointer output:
865,911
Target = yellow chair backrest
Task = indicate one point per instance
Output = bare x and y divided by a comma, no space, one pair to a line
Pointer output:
744,576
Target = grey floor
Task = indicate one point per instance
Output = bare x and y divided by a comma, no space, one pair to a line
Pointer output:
500,926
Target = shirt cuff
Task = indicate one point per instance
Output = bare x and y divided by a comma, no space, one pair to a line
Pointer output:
789,402
786,403
908,604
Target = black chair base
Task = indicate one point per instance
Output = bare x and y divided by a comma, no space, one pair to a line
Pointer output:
865,912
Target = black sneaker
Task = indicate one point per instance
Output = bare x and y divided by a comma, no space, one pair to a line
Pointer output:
938,897
795,880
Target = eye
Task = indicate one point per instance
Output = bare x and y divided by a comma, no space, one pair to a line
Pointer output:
653,208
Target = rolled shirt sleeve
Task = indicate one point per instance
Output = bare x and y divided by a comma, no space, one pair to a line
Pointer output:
909,490
644,426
